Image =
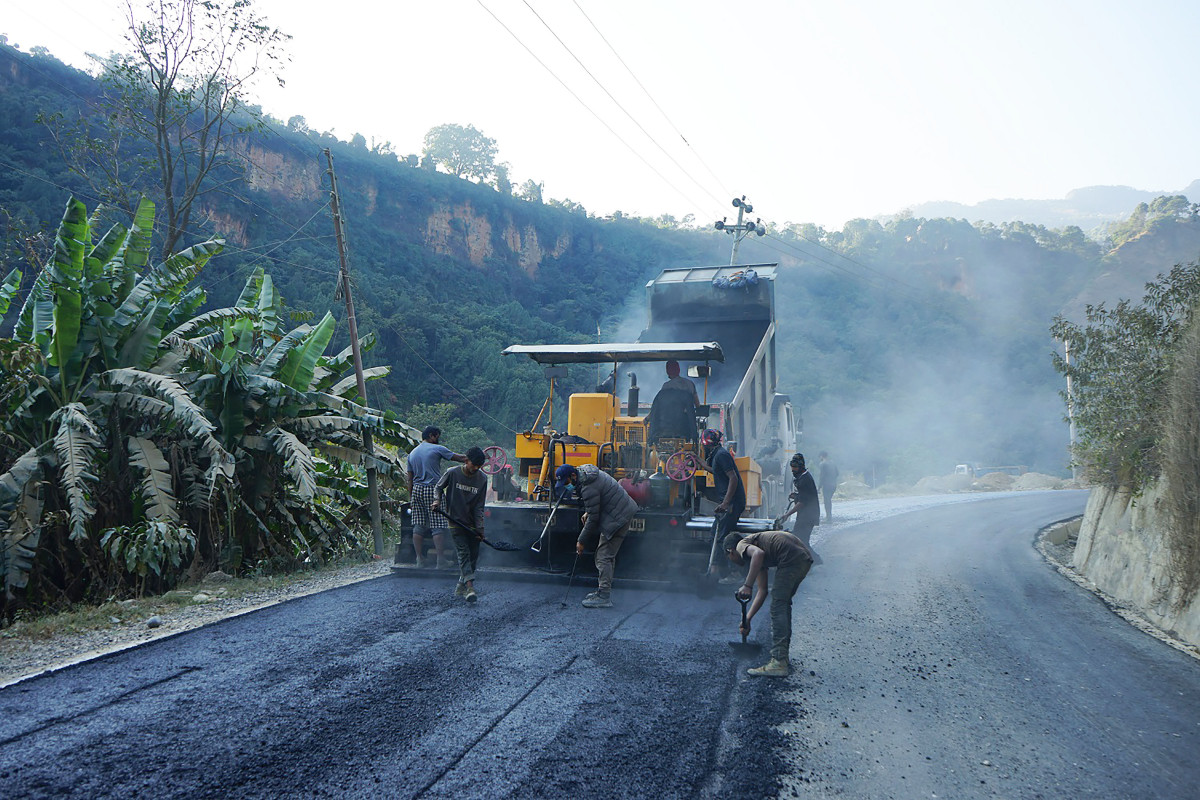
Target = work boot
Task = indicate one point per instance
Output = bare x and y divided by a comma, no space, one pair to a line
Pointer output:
445,563
420,562
597,600
471,595
460,590
774,668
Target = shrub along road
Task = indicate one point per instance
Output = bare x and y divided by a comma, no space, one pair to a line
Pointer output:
935,654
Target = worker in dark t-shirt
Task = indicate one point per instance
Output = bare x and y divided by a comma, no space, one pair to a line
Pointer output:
728,492
460,496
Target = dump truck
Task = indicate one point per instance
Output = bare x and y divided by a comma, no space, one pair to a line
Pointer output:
651,448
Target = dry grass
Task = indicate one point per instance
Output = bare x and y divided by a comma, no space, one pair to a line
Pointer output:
1181,465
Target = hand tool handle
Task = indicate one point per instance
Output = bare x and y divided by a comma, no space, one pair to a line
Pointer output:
743,602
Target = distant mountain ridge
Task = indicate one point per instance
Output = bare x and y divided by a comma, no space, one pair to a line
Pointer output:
1089,208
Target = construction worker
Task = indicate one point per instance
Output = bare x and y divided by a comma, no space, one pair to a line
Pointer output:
792,560
608,510
424,470
827,479
460,495
805,504
728,492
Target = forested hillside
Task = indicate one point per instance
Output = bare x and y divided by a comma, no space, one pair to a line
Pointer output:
906,347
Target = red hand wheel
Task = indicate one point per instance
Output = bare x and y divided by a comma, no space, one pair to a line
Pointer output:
682,465
497,460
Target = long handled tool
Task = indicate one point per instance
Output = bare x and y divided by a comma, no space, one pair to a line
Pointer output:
497,545
716,529
570,580
537,546
743,646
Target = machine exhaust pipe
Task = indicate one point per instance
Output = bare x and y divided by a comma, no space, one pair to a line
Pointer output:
632,403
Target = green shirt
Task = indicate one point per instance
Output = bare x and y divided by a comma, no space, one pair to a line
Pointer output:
780,548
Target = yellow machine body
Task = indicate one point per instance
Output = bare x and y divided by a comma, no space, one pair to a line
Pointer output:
590,416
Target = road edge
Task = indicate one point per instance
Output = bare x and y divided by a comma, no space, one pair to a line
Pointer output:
1122,610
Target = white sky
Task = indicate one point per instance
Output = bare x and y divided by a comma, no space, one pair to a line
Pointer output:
816,111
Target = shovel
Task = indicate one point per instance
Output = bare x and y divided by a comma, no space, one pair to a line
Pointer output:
706,586
497,545
744,647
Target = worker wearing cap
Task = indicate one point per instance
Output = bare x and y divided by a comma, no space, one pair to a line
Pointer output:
792,560
805,504
608,510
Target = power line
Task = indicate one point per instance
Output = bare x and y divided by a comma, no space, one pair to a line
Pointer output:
617,103
588,108
674,127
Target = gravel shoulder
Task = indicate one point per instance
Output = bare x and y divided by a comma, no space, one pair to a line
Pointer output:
28,650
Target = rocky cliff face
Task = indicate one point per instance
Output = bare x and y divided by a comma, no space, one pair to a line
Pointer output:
273,172
454,229
1122,549
457,230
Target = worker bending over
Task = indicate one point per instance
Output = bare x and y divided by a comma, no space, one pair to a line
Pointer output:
791,559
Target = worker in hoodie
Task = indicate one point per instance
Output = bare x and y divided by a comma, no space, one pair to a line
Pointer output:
608,510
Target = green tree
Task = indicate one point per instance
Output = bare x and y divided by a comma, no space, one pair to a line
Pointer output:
171,113
461,150
531,190
1121,359
92,420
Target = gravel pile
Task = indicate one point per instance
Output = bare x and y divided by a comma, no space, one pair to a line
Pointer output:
22,655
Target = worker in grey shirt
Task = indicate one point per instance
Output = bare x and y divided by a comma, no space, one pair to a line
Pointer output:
424,470
460,495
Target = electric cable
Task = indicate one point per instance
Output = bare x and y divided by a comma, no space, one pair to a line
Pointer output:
588,108
617,103
670,122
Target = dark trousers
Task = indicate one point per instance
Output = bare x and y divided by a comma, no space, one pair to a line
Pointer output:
803,529
466,544
827,495
787,581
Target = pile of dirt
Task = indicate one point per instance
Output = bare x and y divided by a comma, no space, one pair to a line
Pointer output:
944,484
1038,480
994,482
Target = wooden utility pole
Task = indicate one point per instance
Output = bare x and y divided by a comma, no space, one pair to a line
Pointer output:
344,288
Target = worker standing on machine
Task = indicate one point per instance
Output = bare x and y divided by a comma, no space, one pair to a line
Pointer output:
608,510
792,561
728,485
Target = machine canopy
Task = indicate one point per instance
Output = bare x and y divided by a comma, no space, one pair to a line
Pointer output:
623,352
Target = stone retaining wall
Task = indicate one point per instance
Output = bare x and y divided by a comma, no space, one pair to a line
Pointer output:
1122,549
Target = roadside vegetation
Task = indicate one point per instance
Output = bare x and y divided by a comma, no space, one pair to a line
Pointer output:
145,440
1135,395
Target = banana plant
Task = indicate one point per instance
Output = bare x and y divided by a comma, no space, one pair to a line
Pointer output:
288,414
85,421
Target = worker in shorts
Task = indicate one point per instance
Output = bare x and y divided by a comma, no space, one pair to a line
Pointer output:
792,560
424,470
460,495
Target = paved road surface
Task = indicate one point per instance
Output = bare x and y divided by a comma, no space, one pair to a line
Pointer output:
936,655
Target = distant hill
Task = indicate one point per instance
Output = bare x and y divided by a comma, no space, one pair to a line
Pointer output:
1089,208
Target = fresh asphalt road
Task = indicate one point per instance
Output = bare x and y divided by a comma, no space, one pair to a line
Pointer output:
935,655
